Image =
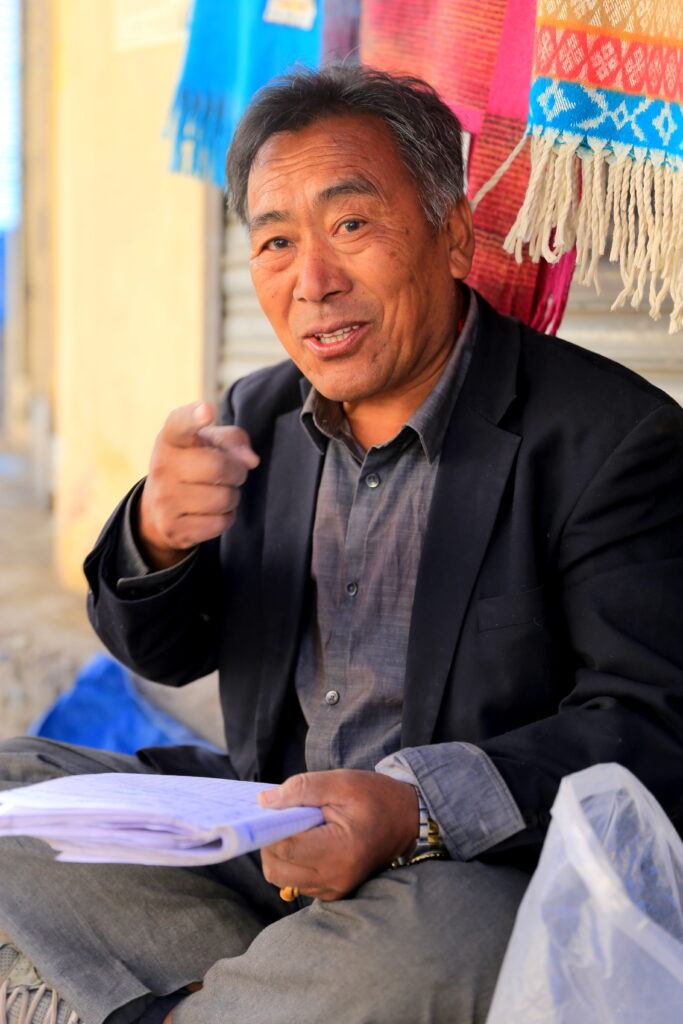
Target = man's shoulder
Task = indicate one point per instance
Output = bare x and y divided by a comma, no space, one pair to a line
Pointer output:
572,365
555,376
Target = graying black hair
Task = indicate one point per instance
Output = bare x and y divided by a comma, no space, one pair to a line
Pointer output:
426,131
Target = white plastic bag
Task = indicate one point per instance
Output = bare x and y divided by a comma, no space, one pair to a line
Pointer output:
598,937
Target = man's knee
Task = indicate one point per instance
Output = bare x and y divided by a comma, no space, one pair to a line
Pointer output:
29,759
446,930
22,761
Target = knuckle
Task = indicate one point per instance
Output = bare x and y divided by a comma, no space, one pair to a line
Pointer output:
180,539
231,471
238,435
296,785
239,474
286,849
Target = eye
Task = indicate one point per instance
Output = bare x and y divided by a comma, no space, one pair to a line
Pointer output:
351,224
274,244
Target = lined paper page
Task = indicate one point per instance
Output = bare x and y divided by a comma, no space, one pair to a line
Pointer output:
149,819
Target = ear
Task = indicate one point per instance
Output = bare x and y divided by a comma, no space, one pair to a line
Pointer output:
460,239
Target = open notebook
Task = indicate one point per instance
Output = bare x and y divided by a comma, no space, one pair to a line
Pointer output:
149,819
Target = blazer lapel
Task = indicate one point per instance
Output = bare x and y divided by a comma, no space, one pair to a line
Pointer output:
475,465
293,480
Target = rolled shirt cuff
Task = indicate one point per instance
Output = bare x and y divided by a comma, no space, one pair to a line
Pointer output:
464,793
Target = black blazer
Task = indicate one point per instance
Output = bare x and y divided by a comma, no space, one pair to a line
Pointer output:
547,619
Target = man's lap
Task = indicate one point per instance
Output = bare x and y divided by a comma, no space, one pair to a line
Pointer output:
421,943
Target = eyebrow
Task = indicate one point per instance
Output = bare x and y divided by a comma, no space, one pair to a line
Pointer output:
351,187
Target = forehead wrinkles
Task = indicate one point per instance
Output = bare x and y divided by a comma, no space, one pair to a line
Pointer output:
315,158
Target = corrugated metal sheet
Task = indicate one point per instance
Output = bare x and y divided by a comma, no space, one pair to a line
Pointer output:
248,339
627,335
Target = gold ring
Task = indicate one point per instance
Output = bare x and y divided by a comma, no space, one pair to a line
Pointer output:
289,893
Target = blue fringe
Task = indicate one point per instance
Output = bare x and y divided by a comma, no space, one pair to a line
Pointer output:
231,52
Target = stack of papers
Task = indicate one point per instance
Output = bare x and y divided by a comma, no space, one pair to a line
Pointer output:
149,819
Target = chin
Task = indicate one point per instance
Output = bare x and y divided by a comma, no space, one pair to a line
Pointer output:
339,392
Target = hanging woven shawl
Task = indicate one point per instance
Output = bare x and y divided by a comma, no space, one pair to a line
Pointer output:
478,55
340,27
606,127
233,49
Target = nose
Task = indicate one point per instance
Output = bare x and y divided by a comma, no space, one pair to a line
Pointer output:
319,274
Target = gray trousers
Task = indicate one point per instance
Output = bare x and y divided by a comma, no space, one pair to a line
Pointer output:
418,945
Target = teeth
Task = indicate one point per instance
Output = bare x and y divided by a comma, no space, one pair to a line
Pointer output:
330,339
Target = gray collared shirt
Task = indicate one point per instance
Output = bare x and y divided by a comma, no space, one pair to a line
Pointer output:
371,517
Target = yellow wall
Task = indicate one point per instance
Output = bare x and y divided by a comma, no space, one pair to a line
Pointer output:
129,268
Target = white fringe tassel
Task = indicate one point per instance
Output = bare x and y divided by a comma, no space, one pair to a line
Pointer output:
577,194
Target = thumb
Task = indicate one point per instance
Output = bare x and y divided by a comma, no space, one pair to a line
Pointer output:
183,425
230,439
298,790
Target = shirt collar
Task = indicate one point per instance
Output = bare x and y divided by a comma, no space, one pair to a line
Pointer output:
324,419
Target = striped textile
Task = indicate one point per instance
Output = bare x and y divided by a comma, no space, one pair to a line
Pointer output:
606,128
479,57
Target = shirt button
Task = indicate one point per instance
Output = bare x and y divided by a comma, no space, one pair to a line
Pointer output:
352,589
372,480
332,697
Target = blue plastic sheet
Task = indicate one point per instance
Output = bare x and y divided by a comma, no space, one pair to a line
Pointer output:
105,711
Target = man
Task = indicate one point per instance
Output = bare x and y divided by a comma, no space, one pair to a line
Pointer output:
457,557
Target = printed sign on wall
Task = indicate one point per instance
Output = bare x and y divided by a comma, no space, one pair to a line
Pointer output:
140,23
295,13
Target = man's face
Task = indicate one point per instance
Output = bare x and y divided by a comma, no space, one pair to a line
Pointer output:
358,286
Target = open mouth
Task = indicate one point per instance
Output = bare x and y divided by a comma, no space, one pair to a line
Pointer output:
333,337
337,341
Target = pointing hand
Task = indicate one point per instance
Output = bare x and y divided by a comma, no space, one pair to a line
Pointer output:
191,492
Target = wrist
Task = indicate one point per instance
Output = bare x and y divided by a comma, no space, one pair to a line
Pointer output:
428,843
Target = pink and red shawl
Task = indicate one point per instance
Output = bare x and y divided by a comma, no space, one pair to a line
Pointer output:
479,57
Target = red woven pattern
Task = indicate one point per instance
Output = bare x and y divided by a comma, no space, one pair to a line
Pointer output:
632,66
462,47
453,45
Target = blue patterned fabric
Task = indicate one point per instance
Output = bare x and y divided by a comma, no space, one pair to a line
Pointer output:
231,53
612,117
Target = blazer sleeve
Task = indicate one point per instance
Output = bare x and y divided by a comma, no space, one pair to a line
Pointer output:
168,632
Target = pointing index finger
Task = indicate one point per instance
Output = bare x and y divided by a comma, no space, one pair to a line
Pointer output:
232,440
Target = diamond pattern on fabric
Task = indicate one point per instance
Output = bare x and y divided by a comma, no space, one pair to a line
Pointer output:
611,116
606,127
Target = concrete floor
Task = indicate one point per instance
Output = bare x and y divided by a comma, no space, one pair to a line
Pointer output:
44,633
45,636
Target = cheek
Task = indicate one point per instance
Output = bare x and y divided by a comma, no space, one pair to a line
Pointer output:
271,293
403,307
